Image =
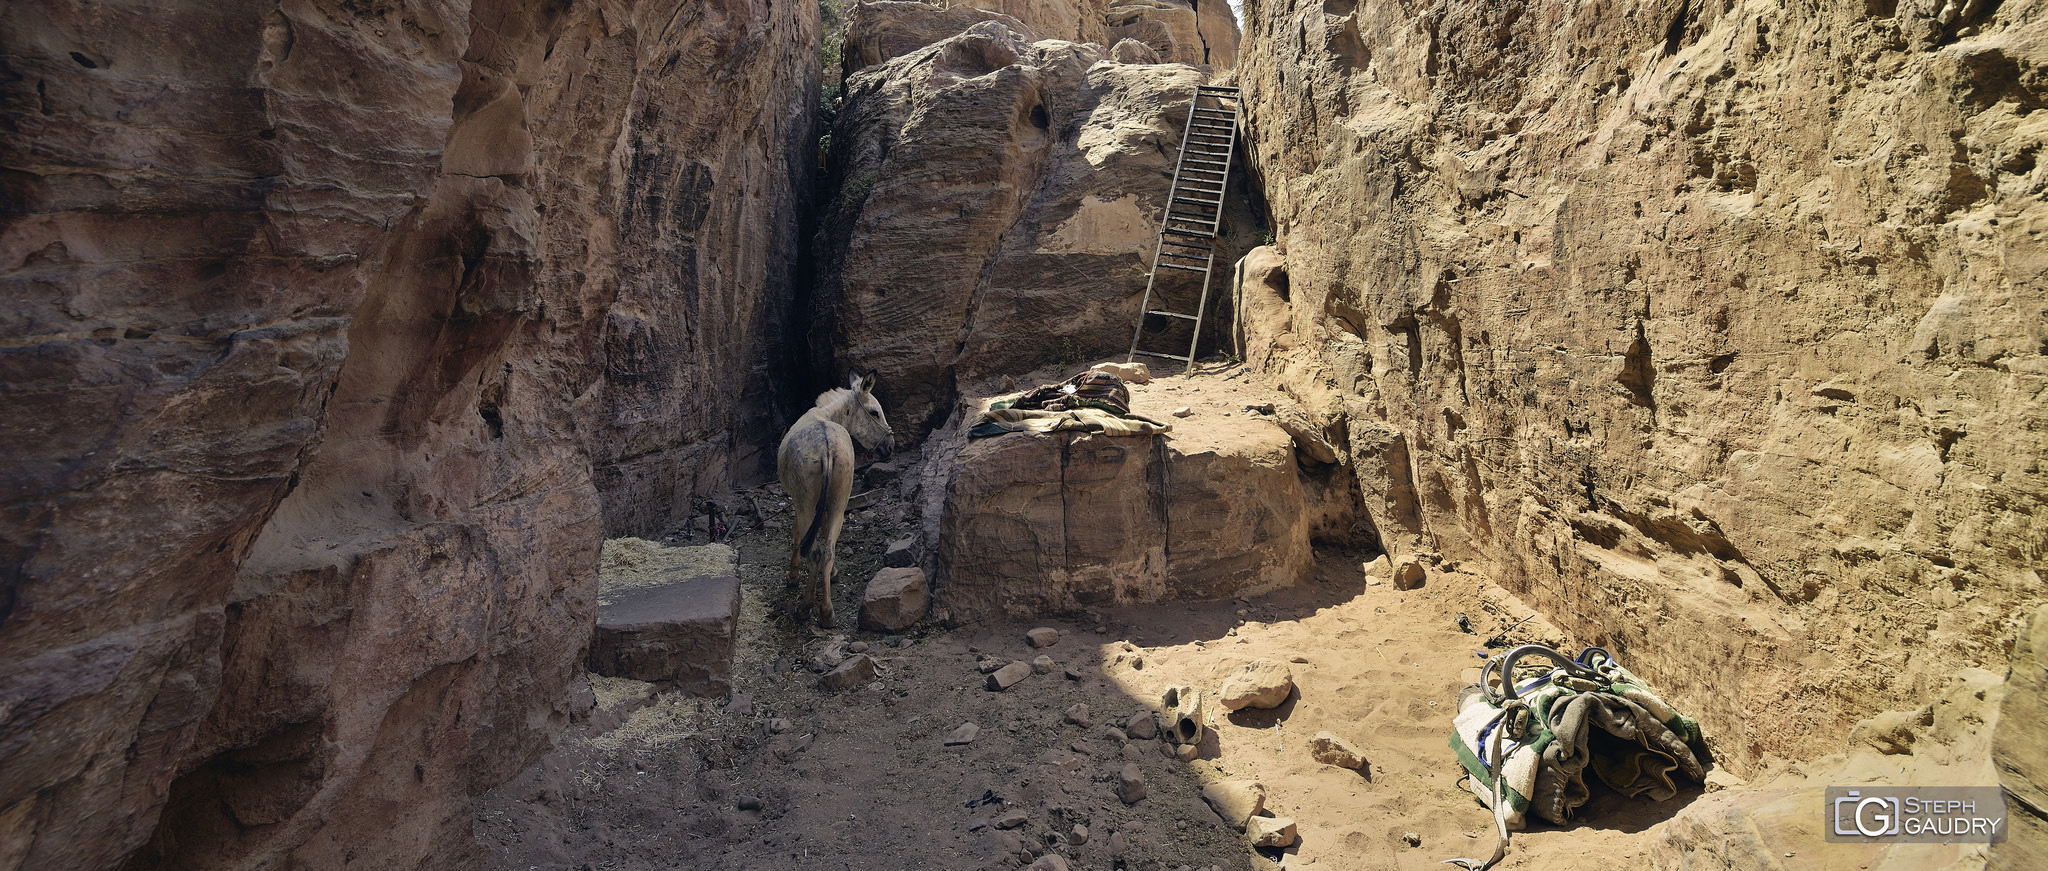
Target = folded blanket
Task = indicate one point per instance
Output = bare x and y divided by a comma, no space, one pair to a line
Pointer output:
997,421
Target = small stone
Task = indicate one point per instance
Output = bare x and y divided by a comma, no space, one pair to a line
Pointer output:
1043,664
1236,801
895,599
1079,835
1130,783
901,553
1413,839
1261,683
1011,819
962,734
1720,779
1116,734
1135,373
856,670
748,803
1118,844
1332,750
779,725
1270,831
1408,575
1043,636
1141,726
1050,862
1077,714
858,647
1183,411
1183,752
1073,674
1008,676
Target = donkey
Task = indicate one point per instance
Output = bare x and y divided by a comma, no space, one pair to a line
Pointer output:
815,463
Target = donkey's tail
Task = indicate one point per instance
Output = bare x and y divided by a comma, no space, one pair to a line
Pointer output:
818,517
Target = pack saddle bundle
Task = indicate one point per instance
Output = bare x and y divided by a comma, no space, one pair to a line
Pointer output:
1526,742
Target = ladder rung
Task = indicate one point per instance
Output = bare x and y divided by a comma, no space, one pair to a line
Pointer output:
1191,201
1198,125
1178,258
1193,245
1200,269
1201,186
1209,162
1172,314
1192,234
1221,136
1167,356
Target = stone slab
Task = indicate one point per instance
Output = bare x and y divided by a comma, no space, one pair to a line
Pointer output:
680,633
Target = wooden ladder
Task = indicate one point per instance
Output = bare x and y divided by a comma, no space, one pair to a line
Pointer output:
1194,211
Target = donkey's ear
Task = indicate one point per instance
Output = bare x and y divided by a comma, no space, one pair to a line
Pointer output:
855,380
864,383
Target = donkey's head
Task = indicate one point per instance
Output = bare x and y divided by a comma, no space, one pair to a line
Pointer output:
863,418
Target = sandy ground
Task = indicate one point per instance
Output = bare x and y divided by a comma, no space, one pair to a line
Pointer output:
787,775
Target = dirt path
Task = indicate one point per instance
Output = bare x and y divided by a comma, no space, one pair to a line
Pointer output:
785,775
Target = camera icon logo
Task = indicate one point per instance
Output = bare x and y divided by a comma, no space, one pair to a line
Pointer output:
1870,816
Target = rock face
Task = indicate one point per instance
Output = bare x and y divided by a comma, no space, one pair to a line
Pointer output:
297,523
677,628
2020,750
1042,524
990,187
1178,31
1694,326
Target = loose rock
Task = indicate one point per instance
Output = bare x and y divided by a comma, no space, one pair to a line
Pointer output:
1183,411
1408,575
1236,801
1077,714
1079,835
748,803
1050,862
1141,726
1332,750
989,665
901,553
1270,831
962,734
1043,636
856,670
1262,683
1130,783
1413,839
1043,664
896,598
1008,676
1011,819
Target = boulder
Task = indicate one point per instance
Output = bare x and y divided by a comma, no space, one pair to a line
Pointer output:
879,31
1182,718
1043,636
1131,51
677,627
1178,31
1261,683
1141,726
896,599
2020,749
1061,522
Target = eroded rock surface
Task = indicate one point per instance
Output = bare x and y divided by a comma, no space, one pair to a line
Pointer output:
302,541
1716,334
991,188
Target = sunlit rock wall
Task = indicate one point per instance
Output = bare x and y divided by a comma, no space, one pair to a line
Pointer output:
300,534
1715,330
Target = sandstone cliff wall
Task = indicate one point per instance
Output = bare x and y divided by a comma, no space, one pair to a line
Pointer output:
300,533
995,205
1714,330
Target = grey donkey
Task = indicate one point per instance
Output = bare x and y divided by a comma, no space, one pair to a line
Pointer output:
815,464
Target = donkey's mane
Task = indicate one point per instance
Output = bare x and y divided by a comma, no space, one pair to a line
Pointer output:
830,396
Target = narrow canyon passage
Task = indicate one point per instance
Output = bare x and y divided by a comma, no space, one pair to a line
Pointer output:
345,341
